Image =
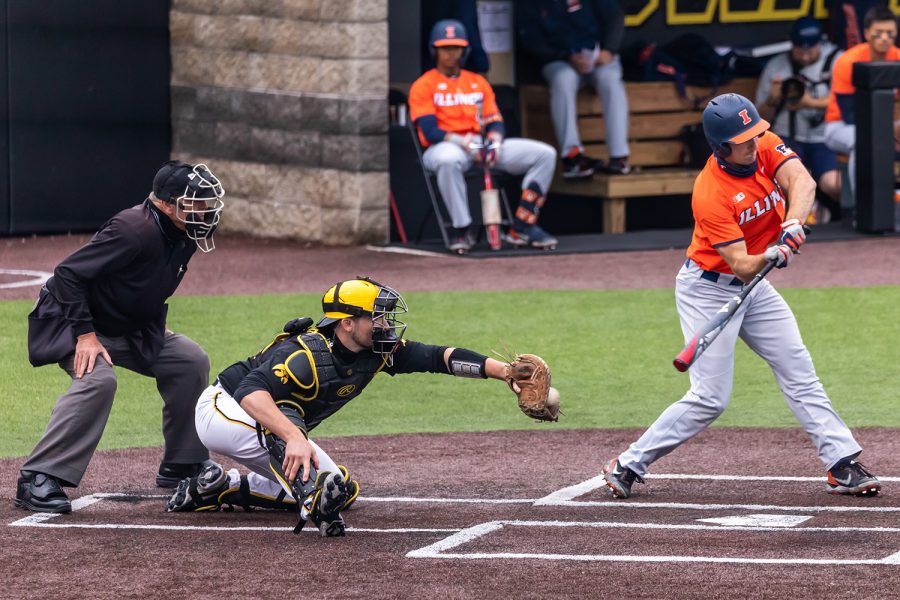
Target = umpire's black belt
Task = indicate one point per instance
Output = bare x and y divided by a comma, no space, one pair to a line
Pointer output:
715,275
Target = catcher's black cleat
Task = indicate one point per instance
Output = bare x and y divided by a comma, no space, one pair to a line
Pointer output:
331,497
203,492
171,474
619,479
850,478
41,493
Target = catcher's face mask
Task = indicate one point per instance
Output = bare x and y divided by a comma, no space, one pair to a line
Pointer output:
387,329
362,297
200,207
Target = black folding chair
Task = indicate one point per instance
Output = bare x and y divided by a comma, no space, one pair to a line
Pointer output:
476,173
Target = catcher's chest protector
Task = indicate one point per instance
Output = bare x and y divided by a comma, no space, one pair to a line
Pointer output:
338,383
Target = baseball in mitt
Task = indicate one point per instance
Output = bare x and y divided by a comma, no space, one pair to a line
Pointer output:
528,376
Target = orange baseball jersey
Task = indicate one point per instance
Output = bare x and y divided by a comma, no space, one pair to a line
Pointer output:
452,100
728,209
842,75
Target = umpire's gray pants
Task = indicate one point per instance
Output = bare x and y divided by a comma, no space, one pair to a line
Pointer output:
536,160
76,424
564,82
841,138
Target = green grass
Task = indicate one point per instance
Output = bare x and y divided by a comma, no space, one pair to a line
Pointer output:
610,352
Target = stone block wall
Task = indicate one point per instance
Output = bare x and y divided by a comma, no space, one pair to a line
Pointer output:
286,100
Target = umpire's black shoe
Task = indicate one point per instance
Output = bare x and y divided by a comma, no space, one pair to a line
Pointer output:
170,474
41,493
619,479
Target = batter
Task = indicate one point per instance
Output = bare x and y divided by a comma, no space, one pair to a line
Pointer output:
742,222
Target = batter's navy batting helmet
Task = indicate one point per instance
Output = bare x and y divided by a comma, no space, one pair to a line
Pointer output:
731,119
449,32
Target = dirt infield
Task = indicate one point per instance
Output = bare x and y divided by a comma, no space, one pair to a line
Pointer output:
247,266
478,515
462,516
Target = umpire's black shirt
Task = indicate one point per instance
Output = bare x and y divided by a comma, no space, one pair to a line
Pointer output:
118,282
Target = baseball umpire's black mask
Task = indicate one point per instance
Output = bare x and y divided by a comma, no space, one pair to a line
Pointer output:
197,196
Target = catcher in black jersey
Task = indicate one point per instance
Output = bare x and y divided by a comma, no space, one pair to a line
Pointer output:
260,411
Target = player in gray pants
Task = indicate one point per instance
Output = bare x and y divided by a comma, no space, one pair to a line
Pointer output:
456,114
517,156
749,204
575,44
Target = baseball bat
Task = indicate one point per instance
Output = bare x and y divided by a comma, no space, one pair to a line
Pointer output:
705,336
490,198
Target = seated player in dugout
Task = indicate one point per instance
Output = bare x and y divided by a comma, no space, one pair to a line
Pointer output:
793,94
260,411
576,43
444,104
880,31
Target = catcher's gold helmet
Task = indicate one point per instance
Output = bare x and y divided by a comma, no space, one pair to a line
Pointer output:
365,297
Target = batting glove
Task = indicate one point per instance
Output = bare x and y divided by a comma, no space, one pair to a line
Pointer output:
471,144
781,255
792,234
493,152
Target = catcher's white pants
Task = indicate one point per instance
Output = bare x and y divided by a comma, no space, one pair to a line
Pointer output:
224,427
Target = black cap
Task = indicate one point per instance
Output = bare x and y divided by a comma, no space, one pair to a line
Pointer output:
806,33
174,179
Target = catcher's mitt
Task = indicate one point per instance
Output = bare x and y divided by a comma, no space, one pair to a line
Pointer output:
531,375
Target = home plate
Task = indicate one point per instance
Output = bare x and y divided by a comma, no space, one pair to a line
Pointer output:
759,520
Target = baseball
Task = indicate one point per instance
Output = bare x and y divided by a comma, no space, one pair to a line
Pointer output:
553,397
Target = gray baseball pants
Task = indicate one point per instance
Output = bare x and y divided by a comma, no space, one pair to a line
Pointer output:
564,82
536,160
841,138
767,325
77,422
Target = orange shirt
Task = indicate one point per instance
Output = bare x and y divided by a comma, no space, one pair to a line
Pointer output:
842,75
452,100
728,209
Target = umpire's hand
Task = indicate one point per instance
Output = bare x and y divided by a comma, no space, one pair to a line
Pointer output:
87,349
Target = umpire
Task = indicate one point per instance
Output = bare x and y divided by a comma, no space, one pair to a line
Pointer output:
104,306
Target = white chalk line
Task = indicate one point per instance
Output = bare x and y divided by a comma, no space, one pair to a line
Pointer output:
409,251
439,549
459,537
37,278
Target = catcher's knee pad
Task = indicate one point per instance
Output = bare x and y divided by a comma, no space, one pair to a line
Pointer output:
325,504
352,485
200,492
241,495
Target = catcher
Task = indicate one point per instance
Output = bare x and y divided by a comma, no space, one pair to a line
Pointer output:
260,411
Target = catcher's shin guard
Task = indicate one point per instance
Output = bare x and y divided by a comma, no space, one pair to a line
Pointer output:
242,496
352,488
201,492
324,507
